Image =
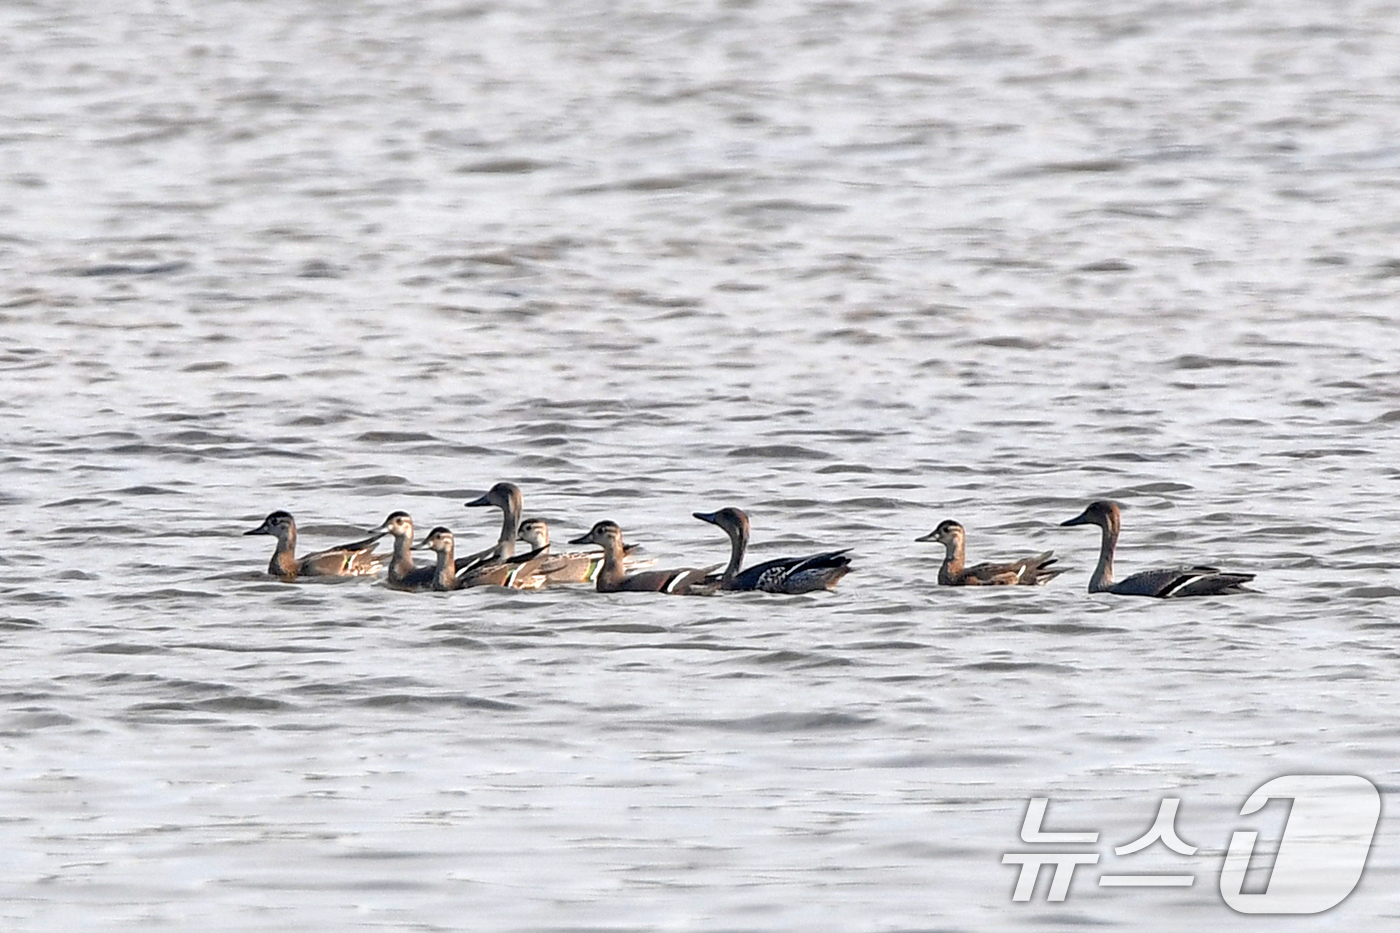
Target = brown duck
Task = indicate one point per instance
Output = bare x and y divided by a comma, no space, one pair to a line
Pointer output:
1027,571
613,578
346,560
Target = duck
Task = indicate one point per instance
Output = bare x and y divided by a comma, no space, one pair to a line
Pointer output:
1027,571
574,566
401,566
507,498
516,573
613,578
780,575
1163,583
497,565
441,576
347,560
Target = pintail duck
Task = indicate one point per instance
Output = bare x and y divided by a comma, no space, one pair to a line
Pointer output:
517,573
780,575
347,560
401,566
1167,582
498,565
1028,571
572,567
613,578
507,498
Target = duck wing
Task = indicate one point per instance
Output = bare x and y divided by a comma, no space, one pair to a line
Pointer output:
1172,582
795,574
1028,571
346,560
677,582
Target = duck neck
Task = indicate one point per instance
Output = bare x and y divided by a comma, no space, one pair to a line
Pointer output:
445,575
953,560
738,544
510,529
403,559
612,573
1102,577
284,560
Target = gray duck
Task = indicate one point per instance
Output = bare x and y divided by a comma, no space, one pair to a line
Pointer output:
1162,583
779,575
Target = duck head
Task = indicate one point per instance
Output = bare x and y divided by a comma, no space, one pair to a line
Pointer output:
280,524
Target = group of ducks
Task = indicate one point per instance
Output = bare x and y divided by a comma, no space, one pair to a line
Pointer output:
613,569
617,568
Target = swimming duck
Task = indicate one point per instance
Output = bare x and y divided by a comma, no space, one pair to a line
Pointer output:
780,575
1028,571
442,575
401,566
517,573
572,567
347,560
507,498
613,578
1167,582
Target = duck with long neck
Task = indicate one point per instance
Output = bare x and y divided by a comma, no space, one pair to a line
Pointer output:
780,575
401,566
345,560
1027,571
507,498
613,578
735,524
1109,519
1161,583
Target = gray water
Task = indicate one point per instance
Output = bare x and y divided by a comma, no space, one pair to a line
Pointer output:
855,268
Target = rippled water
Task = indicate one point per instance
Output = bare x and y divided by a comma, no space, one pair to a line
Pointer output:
852,267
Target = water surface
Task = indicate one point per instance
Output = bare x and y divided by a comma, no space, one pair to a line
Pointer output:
855,268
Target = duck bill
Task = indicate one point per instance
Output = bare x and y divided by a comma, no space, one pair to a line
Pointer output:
931,536
706,517
260,530
1081,519
582,539
478,501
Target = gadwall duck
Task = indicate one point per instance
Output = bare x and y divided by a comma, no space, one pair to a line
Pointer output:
346,560
574,566
401,566
780,575
1028,571
1167,582
613,578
